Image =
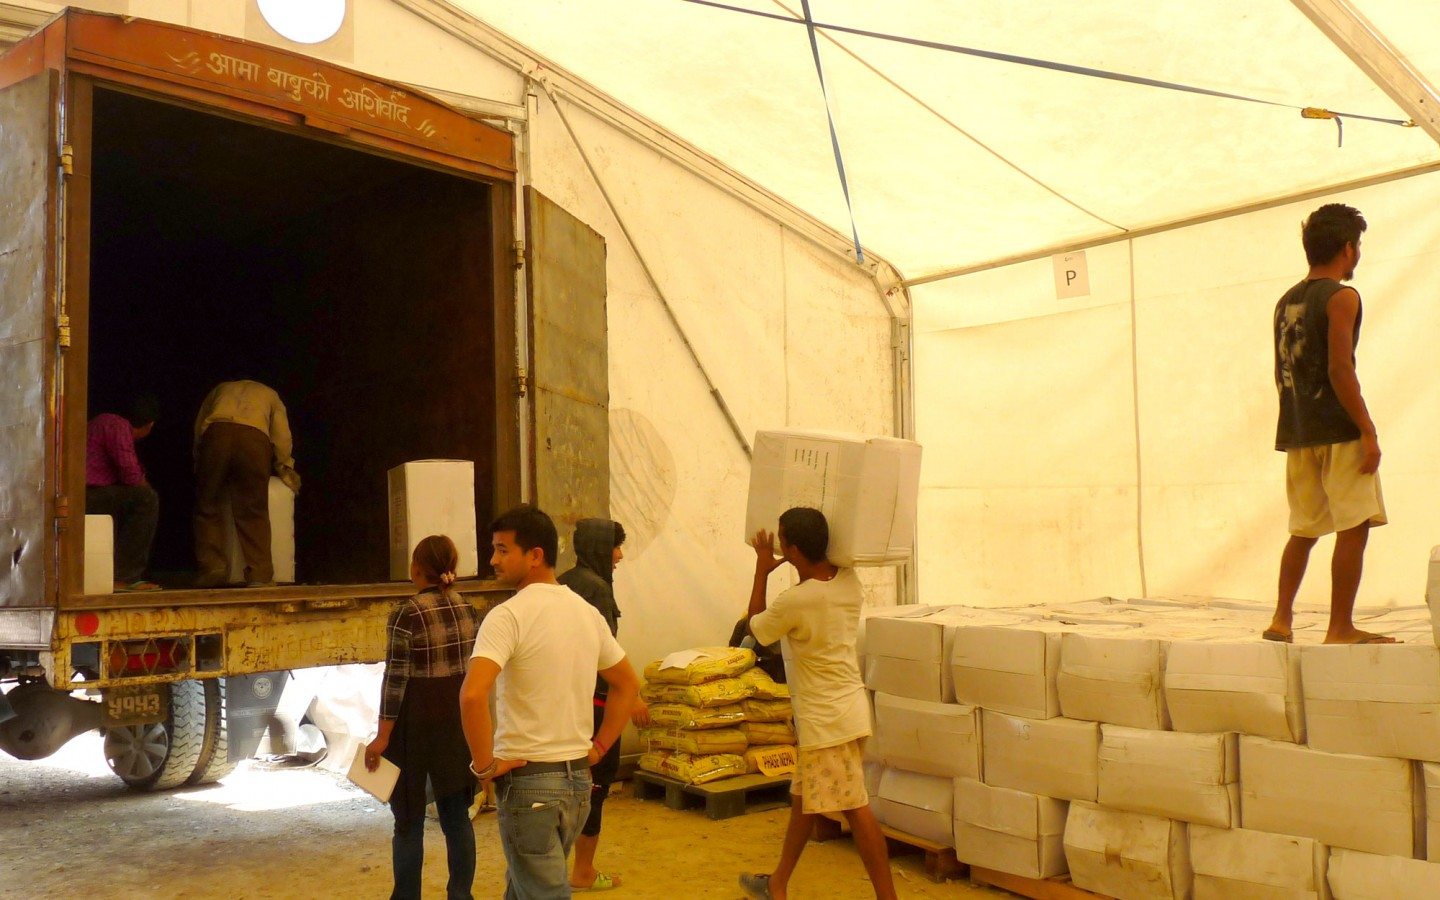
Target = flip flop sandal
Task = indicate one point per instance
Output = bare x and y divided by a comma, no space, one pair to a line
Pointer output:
756,886
1282,637
602,882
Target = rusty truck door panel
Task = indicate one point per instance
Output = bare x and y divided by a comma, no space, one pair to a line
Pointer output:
27,347
570,376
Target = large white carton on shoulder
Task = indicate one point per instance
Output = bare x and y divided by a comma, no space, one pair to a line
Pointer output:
931,738
919,805
282,536
1008,669
1009,831
432,496
99,573
1118,680
1191,777
1127,855
1373,699
1251,688
1240,864
1357,802
867,487
1366,876
1050,757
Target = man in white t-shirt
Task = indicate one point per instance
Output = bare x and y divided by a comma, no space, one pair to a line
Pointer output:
542,648
818,620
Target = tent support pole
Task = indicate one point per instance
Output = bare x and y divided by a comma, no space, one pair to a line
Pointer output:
1374,55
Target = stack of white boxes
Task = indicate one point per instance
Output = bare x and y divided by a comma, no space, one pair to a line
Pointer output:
1160,749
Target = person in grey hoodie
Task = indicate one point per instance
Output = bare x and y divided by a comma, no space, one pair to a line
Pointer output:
597,553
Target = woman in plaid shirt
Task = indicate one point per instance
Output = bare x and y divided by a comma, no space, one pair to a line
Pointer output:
431,637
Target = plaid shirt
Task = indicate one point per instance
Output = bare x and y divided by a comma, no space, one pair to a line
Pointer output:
431,636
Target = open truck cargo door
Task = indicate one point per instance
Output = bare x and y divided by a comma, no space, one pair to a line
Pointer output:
28,348
570,375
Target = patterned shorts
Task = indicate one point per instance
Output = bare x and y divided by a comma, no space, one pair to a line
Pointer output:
831,779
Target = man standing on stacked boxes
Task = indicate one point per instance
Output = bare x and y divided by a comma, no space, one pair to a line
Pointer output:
818,620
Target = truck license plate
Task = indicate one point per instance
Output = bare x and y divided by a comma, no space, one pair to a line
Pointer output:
138,704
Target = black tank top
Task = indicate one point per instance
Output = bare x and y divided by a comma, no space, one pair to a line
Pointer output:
1310,412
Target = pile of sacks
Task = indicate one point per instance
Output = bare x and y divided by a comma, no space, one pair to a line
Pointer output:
713,715
1160,749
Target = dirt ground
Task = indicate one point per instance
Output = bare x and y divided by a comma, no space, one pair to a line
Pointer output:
68,828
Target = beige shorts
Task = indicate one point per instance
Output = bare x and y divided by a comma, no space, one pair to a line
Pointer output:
831,779
1327,491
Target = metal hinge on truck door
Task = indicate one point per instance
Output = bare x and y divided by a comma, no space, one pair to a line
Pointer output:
522,382
67,159
62,323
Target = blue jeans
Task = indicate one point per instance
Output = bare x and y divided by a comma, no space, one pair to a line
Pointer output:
408,851
540,815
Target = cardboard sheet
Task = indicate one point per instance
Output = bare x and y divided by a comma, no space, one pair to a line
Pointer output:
1127,855
1009,831
1113,679
1373,700
931,738
1356,802
1250,687
1050,757
99,572
1190,777
1240,864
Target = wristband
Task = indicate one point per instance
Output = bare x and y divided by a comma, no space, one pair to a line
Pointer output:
599,746
485,772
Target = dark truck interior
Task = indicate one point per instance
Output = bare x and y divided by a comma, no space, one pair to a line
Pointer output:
358,287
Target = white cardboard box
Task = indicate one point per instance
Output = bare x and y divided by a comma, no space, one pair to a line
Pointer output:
1050,757
915,804
1240,864
1373,699
1430,782
867,487
1251,688
908,656
1117,680
1357,802
1366,876
1190,777
99,572
930,738
1127,855
873,773
432,496
1009,831
1008,669
282,535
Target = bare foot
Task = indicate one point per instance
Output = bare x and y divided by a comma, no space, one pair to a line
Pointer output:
1356,636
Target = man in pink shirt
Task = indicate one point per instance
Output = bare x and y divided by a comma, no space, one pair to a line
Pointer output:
116,486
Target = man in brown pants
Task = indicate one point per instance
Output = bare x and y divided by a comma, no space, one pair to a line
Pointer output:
242,435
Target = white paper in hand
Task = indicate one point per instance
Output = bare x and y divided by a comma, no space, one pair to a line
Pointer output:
379,783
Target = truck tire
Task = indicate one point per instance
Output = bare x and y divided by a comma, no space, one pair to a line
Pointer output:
214,763
162,755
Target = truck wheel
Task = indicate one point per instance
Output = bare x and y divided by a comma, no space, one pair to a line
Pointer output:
214,763
161,755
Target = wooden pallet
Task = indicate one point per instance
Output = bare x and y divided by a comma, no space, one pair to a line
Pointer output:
1057,888
722,799
940,861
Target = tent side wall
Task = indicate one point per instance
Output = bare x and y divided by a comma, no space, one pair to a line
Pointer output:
1122,443
789,333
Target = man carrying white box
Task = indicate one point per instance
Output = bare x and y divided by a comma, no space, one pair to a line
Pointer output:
818,619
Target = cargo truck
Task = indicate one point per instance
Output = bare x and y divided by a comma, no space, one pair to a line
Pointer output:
178,208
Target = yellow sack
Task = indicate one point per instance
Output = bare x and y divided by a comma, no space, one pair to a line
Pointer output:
718,662
678,715
693,769
654,760
764,687
712,740
766,710
776,759
759,733
722,692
